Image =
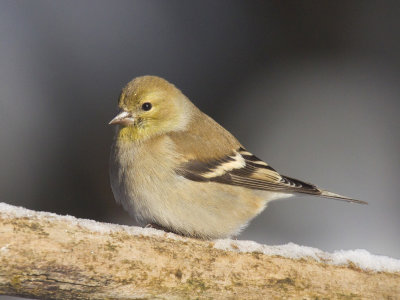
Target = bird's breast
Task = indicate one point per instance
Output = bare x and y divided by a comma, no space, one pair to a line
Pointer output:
142,175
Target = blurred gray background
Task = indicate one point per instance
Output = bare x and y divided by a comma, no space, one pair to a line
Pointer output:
312,87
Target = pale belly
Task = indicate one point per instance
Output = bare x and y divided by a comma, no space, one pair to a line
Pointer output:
149,189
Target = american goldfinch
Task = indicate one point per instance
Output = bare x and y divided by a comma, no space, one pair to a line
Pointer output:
174,167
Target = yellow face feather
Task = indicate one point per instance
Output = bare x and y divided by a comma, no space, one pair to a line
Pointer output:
152,106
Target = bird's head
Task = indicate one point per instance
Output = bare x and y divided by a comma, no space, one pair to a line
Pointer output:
150,106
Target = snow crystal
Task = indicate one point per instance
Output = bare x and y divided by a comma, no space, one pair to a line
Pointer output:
11,211
360,258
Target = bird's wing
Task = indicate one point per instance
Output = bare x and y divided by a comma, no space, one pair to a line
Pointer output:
222,159
241,168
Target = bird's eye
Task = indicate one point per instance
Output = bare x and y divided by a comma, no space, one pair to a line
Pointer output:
146,106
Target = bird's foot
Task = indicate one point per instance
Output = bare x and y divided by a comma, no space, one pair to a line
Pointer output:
156,226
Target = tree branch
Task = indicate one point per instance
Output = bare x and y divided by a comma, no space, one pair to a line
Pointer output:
47,256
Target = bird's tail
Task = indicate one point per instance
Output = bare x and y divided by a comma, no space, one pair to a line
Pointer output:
327,194
310,189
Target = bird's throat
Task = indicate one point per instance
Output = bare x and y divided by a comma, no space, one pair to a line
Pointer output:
130,133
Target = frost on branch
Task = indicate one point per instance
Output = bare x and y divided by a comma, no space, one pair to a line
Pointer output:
44,255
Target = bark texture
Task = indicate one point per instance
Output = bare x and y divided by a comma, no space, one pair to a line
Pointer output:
51,258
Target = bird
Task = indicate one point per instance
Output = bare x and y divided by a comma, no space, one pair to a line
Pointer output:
174,168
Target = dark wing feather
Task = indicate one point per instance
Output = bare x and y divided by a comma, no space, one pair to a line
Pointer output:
241,168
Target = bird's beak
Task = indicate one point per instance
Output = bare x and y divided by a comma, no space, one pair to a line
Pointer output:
123,118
